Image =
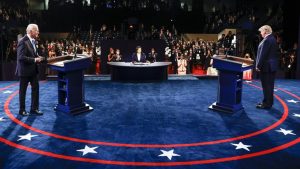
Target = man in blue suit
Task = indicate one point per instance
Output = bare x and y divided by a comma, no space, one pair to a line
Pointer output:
266,64
139,56
27,69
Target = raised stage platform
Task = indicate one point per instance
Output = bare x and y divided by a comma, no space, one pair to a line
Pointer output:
135,125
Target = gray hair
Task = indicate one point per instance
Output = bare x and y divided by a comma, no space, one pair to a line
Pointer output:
31,27
266,28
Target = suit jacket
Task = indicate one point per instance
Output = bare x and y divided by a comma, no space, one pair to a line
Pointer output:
26,55
267,55
135,58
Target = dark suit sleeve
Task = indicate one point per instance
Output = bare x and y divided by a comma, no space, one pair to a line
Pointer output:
144,59
263,53
21,50
133,57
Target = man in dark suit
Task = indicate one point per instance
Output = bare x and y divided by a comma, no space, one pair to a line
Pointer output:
266,64
138,56
27,69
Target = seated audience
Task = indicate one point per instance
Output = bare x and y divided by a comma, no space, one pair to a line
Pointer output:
152,56
182,64
117,57
111,55
247,75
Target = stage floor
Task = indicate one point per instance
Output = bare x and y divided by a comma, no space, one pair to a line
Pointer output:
152,125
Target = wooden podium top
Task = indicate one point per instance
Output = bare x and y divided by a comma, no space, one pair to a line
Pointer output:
231,63
234,59
70,62
61,60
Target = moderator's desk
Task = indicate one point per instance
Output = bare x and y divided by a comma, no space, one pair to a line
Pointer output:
123,71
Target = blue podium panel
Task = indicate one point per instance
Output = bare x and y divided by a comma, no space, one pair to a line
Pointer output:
230,82
70,83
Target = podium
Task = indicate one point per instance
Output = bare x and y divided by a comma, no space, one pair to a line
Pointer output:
230,82
70,85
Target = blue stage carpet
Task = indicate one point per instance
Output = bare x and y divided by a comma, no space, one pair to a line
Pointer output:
152,125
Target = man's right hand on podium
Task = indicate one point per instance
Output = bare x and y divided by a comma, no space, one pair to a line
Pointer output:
38,59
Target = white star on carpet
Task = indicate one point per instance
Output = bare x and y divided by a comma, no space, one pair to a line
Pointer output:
26,137
286,132
2,119
275,90
248,81
7,92
296,115
168,154
87,150
242,146
292,101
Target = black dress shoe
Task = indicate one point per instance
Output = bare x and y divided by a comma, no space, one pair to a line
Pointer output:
260,103
263,106
23,113
36,112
